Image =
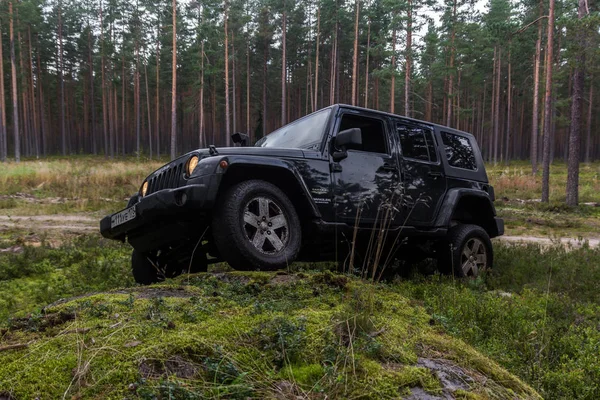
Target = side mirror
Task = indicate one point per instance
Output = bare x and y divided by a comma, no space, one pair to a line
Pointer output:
240,138
346,140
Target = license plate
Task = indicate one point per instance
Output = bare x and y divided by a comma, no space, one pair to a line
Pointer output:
123,216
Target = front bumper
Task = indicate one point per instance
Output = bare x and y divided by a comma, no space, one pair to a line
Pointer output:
165,208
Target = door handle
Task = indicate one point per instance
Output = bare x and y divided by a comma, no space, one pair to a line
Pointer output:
435,174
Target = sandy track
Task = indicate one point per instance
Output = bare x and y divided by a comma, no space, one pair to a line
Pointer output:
73,222
87,224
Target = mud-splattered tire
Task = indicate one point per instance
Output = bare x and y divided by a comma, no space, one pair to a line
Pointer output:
256,227
466,251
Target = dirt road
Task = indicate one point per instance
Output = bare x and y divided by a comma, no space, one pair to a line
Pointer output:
86,223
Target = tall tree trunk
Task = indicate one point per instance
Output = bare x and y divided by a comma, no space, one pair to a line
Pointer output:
576,113
15,97
497,104
31,104
201,138
233,83
283,65
367,63
248,91
92,102
227,121
490,137
548,107
315,105
103,86
393,84
265,106
355,57
41,104
536,95
149,112
3,139
408,69
509,112
136,100
452,54
174,85
158,87
588,140
62,81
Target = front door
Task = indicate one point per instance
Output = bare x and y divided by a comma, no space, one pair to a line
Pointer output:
366,181
423,178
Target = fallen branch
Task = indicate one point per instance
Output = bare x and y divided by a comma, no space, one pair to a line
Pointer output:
14,347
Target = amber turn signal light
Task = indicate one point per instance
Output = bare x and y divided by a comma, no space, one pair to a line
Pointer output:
223,164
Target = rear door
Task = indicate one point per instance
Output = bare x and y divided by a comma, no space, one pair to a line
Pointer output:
422,172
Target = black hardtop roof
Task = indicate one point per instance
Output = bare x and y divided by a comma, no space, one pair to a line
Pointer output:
419,121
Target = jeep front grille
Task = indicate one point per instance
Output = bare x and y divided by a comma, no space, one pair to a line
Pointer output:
166,179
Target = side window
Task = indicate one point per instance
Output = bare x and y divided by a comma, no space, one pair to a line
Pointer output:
459,151
416,142
372,129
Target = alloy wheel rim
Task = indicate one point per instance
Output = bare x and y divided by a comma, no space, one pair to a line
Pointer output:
265,225
473,257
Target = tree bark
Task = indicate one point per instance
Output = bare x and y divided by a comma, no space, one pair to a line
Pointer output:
408,69
227,128
509,112
497,105
536,90
548,107
316,88
355,57
149,112
588,141
174,86
393,83
158,87
451,78
3,139
62,82
367,63
576,113
283,66
15,98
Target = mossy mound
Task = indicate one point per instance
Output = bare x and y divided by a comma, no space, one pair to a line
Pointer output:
244,335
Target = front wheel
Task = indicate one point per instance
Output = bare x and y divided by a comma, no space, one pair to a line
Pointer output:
466,251
256,227
144,271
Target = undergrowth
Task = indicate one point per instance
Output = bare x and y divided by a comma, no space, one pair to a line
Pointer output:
234,335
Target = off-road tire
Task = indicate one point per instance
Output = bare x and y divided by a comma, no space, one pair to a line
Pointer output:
457,253
143,271
230,228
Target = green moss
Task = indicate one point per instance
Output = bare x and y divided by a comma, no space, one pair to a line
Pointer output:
236,335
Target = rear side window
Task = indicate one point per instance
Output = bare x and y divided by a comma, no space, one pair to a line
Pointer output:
459,151
416,142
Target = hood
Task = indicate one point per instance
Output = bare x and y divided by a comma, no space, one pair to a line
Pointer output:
260,151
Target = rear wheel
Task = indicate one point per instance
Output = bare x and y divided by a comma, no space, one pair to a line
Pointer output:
256,227
466,251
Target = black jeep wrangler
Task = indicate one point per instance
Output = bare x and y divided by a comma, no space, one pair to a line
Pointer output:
343,183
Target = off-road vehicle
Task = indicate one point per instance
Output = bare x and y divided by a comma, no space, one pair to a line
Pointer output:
343,183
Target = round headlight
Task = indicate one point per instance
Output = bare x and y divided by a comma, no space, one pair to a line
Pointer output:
191,164
144,189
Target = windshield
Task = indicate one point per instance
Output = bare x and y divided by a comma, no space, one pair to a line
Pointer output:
305,133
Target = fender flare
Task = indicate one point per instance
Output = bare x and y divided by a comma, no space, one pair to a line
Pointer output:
280,165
